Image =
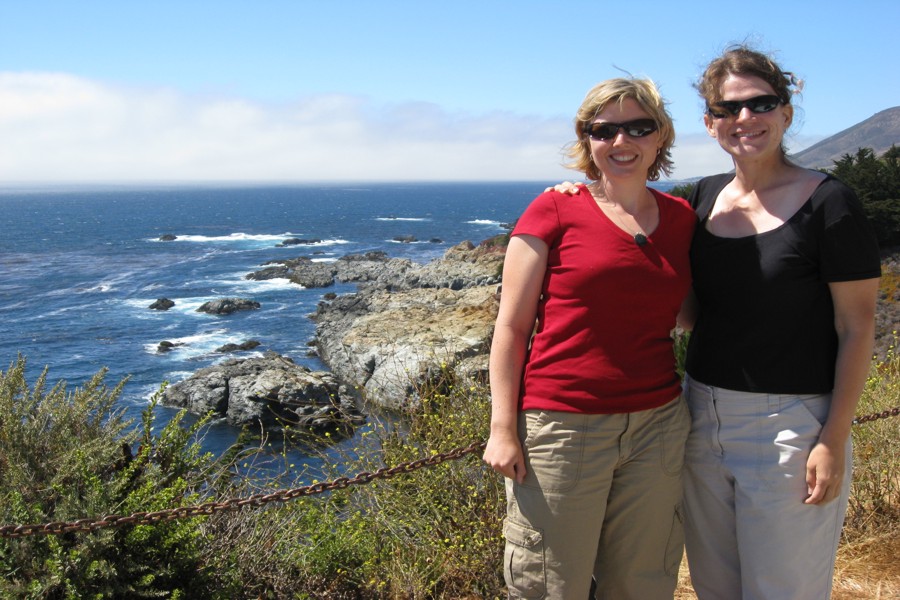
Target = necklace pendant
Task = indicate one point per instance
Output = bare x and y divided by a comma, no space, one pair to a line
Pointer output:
640,239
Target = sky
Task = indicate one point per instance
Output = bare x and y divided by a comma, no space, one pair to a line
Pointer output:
393,90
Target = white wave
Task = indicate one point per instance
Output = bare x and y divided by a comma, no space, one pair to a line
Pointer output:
176,376
194,346
57,312
182,305
232,237
483,222
327,259
250,286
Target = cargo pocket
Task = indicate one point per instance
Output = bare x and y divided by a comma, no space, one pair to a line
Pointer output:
675,545
523,561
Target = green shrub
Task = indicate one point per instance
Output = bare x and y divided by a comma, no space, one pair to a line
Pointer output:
67,456
875,492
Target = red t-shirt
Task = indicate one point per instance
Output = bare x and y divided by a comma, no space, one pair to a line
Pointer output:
608,306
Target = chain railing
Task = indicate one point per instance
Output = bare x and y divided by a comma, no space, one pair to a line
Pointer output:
256,500
891,412
233,504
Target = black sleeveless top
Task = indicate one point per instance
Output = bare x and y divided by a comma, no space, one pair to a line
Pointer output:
766,320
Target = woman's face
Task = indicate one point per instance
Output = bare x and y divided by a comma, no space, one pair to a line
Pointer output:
749,135
624,156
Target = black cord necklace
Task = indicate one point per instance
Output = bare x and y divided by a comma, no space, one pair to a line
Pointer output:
640,238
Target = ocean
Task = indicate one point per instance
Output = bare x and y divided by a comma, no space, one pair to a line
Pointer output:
81,265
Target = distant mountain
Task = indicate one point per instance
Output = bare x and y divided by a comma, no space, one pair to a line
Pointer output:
879,132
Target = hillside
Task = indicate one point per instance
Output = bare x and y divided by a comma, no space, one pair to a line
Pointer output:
879,132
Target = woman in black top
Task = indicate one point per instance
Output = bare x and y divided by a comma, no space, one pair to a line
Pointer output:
785,273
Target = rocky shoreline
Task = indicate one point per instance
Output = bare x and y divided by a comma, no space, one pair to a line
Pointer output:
405,322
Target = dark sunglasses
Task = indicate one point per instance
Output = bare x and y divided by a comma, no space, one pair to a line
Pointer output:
758,104
607,131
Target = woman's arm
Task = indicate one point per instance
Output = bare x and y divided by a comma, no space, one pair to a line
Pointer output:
854,320
687,316
523,275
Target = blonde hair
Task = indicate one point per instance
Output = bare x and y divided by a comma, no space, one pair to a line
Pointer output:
642,91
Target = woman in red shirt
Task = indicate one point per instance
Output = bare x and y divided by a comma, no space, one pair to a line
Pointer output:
588,424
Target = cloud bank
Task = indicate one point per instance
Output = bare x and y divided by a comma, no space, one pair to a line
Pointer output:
63,128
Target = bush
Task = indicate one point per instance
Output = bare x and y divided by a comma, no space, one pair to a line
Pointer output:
67,456
875,493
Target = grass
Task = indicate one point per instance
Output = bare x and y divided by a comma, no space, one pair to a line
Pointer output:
432,533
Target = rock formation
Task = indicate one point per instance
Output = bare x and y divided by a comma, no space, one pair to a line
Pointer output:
411,319
226,306
162,304
405,321
271,391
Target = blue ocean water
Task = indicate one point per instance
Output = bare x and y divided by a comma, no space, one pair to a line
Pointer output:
81,265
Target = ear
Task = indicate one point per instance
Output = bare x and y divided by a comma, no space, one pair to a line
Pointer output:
788,115
708,121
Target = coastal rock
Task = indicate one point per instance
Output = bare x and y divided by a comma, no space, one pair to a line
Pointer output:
168,237
413,320
248,345
387,342
226,306
272,391
162,304
167,346
351,268
297,242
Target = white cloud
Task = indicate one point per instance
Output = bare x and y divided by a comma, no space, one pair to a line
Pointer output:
61,128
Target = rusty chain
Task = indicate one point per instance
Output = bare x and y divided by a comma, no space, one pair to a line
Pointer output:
233,504
891,412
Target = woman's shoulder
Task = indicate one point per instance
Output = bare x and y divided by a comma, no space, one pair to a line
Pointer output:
674,202
833,196
715,182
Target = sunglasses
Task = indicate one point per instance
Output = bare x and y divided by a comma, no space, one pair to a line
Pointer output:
607,131
758,104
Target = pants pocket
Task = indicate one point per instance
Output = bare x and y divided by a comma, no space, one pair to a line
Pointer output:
523,561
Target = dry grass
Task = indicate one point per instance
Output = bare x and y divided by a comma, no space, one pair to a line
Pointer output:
684,591
866,570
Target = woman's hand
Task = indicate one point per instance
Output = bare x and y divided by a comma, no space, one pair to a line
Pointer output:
504,454
824,473
566,187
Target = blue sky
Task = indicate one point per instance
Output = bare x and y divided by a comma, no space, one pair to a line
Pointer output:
274,90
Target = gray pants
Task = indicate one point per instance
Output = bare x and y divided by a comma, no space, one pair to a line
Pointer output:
749,534
601,498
